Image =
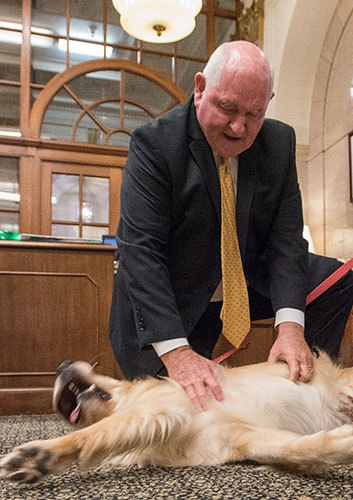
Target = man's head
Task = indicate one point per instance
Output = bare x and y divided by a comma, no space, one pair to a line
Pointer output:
232,95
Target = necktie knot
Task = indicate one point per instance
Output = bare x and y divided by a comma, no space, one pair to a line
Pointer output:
224,163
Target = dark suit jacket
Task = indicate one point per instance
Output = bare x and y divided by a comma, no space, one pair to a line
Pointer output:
169,232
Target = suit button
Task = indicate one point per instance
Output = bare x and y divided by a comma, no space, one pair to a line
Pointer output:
143,328
190,322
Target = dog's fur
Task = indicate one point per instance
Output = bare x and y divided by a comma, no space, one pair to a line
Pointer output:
264,417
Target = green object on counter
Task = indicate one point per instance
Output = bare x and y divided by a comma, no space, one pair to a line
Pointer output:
9,235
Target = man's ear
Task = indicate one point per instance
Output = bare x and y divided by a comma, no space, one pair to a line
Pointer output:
200,85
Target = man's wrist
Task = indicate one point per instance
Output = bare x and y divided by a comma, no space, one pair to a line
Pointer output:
169,345
290,328
175,351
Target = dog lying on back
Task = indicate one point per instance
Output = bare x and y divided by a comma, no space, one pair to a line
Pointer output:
264,417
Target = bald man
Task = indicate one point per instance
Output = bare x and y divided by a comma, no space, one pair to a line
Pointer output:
165,316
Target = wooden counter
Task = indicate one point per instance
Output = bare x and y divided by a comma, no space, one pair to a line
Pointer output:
54,305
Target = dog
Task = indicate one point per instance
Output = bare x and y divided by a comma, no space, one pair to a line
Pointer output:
264,417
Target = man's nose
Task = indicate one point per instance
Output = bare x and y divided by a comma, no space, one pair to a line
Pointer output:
237,125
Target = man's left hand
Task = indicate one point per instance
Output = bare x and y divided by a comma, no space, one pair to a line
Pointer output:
291,347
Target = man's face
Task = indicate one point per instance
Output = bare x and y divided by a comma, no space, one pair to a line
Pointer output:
231,113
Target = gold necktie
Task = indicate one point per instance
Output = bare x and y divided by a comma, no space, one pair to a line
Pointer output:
235,311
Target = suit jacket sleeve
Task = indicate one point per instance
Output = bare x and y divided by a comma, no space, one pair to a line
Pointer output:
143,240
287,252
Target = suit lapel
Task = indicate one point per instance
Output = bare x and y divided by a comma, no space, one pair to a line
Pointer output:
204,159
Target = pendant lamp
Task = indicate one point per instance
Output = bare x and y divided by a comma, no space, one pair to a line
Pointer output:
158,21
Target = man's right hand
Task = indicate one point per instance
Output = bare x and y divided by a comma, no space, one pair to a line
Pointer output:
195,374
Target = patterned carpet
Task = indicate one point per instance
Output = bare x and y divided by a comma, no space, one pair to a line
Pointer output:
228,482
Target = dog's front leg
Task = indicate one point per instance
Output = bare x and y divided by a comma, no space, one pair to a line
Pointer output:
273,446
112,436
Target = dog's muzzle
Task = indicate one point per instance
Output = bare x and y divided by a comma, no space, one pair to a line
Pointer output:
72,388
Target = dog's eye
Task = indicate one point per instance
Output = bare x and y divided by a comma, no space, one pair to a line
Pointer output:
104,395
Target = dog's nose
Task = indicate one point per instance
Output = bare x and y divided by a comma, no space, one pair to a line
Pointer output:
63,366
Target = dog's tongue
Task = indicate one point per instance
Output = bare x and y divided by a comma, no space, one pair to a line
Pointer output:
74,416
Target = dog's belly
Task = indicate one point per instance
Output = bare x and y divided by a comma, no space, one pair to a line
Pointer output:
275,402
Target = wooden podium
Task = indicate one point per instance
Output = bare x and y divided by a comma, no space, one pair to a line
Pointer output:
54,305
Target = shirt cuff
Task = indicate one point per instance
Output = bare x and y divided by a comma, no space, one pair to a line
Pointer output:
169,345
289,314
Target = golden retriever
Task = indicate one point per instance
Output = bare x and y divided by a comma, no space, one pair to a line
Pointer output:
264,417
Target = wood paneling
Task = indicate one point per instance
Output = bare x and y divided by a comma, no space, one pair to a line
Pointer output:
55,303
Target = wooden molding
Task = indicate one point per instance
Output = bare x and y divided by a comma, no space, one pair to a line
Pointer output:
59,80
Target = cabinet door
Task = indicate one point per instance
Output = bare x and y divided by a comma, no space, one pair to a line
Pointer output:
79,201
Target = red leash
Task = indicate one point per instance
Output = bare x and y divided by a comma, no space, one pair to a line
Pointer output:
320,289
331,280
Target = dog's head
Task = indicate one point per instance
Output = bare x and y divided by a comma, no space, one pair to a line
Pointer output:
81,396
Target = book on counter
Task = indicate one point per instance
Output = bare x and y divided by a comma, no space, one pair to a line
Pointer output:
57,239
11,235
107,239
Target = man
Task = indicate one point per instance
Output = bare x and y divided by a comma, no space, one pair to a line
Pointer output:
168,289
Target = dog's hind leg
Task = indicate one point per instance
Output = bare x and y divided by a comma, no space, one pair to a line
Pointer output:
117,434
274,446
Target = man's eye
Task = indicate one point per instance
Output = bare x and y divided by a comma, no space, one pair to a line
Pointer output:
254,114
225,108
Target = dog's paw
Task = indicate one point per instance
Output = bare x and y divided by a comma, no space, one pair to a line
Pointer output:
28,463
338,445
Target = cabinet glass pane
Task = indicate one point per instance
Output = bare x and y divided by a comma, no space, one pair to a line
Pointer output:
9,194
10,108
95,207
9,221
9,190
65,197
94,233
65,231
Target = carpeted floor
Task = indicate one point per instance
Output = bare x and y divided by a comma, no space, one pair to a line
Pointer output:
228,482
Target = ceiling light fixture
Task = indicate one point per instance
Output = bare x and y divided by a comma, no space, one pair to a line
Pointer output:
16,36
11,133
5,196
158,21
85,48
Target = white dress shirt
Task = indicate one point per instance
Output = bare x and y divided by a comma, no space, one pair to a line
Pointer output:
282,315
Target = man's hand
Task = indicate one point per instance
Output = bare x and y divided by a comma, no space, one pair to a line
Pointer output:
195,374
291,347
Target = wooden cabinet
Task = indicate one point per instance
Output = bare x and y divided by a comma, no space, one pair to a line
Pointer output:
54,305
258,343
255,348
